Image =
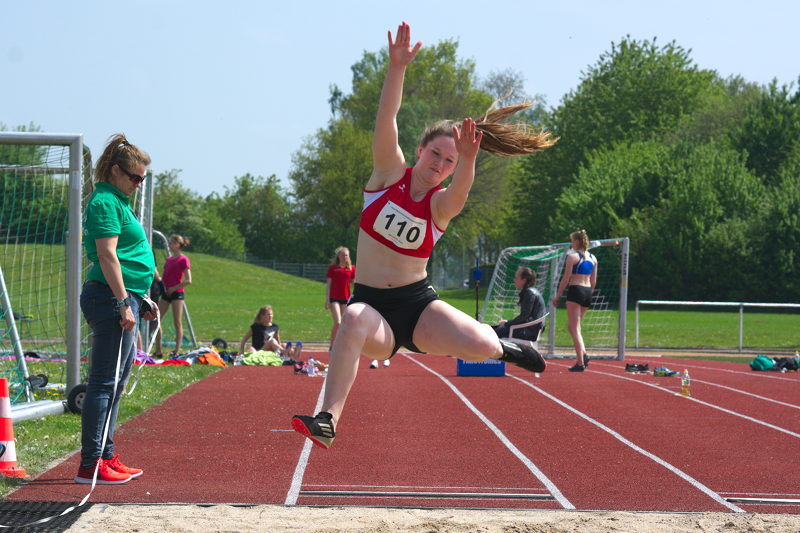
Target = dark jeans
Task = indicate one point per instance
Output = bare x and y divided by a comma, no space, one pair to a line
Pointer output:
98,309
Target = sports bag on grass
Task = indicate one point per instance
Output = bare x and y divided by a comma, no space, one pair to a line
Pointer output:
762,362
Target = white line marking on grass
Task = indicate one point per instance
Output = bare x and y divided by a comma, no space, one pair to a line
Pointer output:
680,473
560,498
734,390
302,462
717,407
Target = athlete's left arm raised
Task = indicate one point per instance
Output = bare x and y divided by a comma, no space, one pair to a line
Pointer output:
447,203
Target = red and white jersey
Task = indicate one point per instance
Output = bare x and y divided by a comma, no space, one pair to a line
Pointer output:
393,219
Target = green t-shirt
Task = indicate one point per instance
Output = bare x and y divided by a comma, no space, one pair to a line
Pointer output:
109,213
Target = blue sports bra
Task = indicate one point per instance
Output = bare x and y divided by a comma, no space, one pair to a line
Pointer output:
584,266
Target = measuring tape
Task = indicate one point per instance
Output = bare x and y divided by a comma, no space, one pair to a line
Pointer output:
105,434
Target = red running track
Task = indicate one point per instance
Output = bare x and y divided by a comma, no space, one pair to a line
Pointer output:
416,435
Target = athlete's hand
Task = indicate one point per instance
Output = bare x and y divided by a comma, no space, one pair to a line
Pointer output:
555,302
468,139
327,305
400,52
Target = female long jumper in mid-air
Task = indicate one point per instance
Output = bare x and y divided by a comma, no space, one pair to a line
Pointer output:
406,210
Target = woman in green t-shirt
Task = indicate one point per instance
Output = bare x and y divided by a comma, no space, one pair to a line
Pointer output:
112,299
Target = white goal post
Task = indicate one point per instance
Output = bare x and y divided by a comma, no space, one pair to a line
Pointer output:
603,326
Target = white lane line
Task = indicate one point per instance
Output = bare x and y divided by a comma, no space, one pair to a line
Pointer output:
734,390
426,487
680,473
768,375
302,462
701,402
560,498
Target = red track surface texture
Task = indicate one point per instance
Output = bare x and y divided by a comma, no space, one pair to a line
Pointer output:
415,434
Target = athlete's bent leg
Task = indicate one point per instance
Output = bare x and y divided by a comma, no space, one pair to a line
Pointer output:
443,329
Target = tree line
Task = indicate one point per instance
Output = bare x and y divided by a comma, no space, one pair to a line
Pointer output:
701,172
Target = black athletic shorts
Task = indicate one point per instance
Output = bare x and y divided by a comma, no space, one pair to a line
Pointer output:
175,296
399,306
334,300
580,294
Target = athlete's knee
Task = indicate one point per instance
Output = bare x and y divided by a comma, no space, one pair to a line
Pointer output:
354,321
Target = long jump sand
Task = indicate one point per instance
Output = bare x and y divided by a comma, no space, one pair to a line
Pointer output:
113,518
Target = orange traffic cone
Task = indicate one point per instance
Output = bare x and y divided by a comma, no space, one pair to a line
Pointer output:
8,452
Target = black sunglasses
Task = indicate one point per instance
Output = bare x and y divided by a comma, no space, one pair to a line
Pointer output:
136,178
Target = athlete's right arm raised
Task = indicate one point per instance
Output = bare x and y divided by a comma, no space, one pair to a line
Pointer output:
387,157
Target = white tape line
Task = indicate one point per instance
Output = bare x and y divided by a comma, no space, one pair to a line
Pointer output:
149,347
302,462
695,380
701,402
565,503
680,473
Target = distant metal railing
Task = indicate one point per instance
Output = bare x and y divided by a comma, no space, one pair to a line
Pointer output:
312,271
740,305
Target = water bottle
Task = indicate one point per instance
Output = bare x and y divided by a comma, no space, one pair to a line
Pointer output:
312,368
685,382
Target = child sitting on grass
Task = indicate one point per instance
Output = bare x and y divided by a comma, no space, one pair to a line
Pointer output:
264,333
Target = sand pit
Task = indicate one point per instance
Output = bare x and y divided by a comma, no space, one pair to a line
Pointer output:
278,519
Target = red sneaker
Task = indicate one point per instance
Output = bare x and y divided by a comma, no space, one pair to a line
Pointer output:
105,475
115,464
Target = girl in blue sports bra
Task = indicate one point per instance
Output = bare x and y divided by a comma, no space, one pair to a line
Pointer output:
580,275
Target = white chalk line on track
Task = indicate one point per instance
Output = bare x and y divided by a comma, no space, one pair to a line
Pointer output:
766,375
695,380
427,487
302,462
677,471
554,491
701,402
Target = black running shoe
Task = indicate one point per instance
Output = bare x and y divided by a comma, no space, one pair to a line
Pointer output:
585,360
577,368
317,428
523,356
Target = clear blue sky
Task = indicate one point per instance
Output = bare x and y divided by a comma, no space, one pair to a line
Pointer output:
219,89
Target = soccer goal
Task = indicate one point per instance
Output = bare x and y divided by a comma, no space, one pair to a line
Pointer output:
45,182
603,326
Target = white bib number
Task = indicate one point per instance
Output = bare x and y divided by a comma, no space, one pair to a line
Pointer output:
400,227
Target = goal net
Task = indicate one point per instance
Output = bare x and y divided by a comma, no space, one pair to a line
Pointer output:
603,326
43,184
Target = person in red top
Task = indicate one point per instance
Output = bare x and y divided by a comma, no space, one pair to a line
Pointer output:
405,212
177,275
341,274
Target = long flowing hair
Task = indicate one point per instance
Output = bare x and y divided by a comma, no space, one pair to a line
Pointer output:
499,137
